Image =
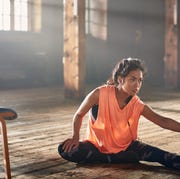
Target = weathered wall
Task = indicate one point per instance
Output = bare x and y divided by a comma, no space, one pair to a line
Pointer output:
170,58
134,30
34,58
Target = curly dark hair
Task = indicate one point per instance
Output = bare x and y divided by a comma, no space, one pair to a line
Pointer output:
123,67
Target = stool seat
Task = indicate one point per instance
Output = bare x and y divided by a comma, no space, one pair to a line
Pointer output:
6,114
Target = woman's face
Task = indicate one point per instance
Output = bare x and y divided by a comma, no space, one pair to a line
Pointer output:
132,82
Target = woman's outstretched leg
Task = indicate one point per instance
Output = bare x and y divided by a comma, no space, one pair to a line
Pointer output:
154,154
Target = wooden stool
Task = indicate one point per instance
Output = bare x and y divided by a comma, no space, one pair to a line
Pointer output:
6,114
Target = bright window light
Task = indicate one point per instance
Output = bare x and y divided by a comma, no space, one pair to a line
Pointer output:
4,15
20,15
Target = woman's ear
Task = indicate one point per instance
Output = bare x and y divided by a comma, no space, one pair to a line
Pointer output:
120,80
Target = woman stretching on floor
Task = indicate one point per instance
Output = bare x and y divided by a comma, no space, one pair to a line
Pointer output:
115,110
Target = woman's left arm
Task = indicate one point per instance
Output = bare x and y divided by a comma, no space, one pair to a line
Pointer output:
160,120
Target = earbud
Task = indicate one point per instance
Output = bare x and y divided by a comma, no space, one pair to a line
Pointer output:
122,81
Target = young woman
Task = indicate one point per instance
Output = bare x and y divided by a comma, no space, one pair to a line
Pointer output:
115,110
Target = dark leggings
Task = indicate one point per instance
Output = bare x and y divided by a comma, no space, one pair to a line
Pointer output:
137,151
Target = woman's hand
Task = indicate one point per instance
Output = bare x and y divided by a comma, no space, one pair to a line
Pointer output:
70,144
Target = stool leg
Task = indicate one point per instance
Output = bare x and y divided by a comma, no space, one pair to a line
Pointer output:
5,149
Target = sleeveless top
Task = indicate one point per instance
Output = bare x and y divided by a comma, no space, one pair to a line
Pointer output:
115,128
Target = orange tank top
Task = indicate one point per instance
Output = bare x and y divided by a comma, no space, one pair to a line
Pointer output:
115,128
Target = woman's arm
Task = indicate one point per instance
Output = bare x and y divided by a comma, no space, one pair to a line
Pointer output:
160,120
90,100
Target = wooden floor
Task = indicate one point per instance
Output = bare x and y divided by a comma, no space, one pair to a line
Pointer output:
45,120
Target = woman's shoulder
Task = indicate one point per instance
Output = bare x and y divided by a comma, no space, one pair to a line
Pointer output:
103,89
137,103
106,87
136,98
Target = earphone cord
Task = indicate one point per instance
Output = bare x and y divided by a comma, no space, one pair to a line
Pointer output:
130,130
127,101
